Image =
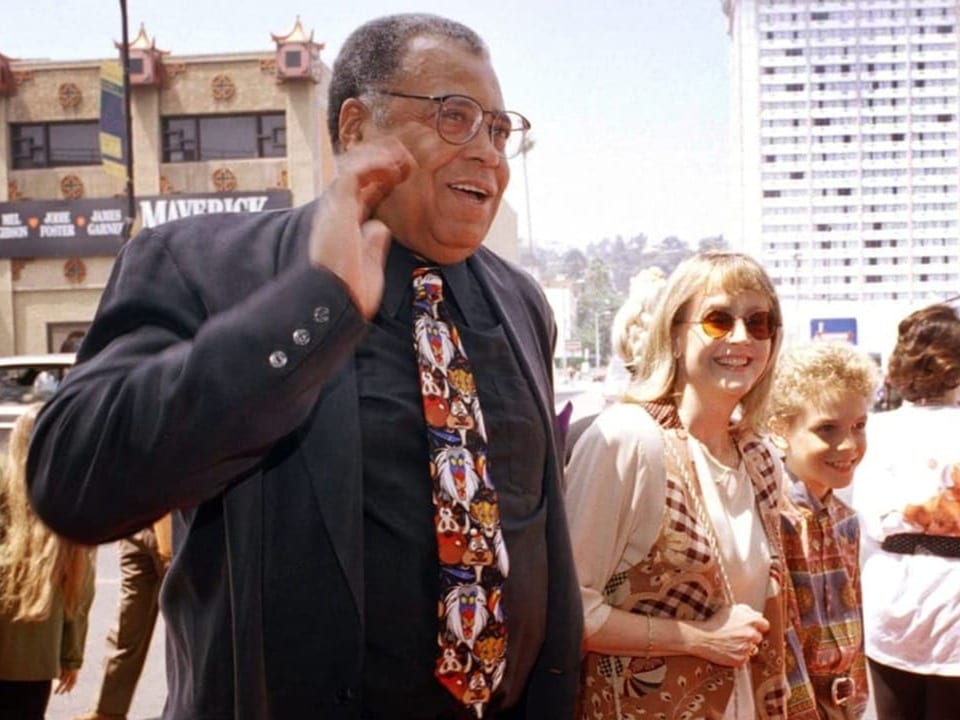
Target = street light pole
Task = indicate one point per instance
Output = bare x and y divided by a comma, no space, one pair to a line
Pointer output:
596,340
128,124
597,314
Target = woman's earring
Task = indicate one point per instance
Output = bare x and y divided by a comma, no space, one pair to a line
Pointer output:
676,353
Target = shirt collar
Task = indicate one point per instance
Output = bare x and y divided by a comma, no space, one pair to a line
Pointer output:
801,496
458,285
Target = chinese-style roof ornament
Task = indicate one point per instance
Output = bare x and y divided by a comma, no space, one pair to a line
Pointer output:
146,60
8,84
298,56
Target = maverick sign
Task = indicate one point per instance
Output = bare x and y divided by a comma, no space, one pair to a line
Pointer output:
72,228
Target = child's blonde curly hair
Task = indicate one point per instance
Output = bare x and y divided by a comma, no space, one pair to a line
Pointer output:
816,372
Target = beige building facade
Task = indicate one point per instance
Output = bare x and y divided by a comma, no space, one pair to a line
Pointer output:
236,132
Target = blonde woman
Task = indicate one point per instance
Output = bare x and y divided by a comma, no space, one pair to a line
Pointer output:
674,512
46,589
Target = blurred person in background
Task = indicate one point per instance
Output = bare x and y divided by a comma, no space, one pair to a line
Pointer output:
628,333
907,496
631,324
144,558
674,503
46,589
819,406
71,343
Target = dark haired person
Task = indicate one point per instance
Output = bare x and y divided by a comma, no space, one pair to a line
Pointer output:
907,495
71,343
355,538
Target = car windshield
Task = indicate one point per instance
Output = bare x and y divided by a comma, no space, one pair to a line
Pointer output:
25,384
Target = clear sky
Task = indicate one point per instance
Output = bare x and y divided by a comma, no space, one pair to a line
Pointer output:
629,99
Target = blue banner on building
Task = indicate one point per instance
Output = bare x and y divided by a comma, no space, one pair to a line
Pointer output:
844,329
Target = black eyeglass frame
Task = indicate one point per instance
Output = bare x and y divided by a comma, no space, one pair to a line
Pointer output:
770,326
441,99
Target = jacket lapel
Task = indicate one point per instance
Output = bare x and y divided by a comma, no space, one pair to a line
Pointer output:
330,447
512,311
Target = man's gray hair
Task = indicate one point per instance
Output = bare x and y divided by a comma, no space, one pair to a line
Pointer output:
373,53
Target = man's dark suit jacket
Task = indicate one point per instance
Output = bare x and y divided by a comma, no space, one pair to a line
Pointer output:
217,378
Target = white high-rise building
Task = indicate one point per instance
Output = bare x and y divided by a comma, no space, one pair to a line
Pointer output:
846,144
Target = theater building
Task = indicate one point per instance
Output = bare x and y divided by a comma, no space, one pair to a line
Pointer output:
240,132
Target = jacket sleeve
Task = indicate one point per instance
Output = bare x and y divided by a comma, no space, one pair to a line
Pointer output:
199,360
75,629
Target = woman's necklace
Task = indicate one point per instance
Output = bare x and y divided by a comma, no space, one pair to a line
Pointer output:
723,474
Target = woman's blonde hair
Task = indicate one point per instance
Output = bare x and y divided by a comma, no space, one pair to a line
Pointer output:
704,272
818,372
35,563
631,325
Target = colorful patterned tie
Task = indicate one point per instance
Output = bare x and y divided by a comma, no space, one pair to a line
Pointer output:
473,557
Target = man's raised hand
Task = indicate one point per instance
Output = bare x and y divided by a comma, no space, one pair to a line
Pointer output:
344,238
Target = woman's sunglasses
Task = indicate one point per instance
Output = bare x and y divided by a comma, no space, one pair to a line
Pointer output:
761,325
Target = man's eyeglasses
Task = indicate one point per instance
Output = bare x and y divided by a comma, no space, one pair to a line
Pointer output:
760,325
459,119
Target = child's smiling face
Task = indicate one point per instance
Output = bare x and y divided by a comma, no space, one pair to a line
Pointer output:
826,441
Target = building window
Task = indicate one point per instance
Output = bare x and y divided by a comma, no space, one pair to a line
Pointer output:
41,145
221,137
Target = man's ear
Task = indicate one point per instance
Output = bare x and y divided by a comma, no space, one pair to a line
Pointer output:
354,116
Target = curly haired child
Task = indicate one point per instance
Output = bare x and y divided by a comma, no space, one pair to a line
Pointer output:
817,417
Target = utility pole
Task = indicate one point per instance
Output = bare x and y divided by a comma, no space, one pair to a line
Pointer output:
128,124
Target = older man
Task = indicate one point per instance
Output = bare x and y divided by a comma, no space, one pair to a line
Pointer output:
350,405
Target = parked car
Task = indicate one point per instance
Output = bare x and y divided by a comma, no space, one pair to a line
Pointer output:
26,379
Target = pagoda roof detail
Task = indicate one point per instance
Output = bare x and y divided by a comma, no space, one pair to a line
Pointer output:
297,35
144,42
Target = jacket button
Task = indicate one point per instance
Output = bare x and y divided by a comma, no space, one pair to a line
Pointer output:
321,314
301,336
278,359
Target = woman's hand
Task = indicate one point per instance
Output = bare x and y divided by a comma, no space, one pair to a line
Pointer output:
732,636
66,681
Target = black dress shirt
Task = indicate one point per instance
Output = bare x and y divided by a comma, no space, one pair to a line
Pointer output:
400,556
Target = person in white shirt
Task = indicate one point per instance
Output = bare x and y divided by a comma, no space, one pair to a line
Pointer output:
907,495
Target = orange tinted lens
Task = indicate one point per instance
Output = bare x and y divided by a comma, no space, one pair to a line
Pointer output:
717,323
759,325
